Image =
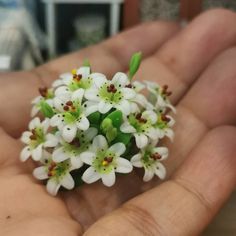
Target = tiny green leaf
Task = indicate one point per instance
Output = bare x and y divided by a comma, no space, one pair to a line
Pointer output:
134,64
111,134
46,109
116,117
123,138
94,118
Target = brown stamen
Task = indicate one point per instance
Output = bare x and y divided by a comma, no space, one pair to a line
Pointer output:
69,103
43,91
165,118
66,108
155,156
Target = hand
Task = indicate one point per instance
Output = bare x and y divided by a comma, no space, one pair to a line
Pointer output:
198,64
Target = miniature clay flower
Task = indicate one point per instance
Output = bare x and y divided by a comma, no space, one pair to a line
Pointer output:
77,79
163,126
159,96
74,149
150,159
71,116
58,174
46,95
104,161
108,94
37,138
141,126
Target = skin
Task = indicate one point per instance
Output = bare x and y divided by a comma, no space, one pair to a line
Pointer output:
197,62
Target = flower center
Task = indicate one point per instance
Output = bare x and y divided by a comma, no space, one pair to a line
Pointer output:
111,88
155,156
76,142
106,161
45,92
37,137
140,119
51,169
69,106
165,91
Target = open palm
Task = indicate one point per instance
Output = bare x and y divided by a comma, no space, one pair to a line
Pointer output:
197,62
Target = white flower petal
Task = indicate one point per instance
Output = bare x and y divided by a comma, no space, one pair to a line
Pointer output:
76,162
169,133
37,152
138,86
34,111
127,128
123,165
58,104
172,108
109,179
83,123
163,151
150,115
40,173
104,107
98,79
34,123
136,160
90,133
69,132
45,124
56,120
160,171
99,142
141,100
25,153
68,182
87,157
141,140
90,176
59,155
117,148
84,71
152,133
91,107
92,95
124,106
148,175
128,93
120,78
25,137
51,141
77,95
62,91
52,187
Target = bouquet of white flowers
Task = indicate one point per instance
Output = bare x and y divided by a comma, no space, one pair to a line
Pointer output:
90,128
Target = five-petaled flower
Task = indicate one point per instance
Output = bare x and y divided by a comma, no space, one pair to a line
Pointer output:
37,138
150,159
74,149
159,96
108,94
71,116
58,174
104,161
141,126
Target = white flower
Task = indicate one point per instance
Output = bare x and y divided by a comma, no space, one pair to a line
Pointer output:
74,149
149,159
45,95
79,78
58,174
159,96
107,94
71,116
141,126
37,138
163,126
104,161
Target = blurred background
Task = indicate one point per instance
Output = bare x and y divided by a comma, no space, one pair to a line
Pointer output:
35,31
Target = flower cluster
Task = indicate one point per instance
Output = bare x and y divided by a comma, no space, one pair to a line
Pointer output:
93,128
